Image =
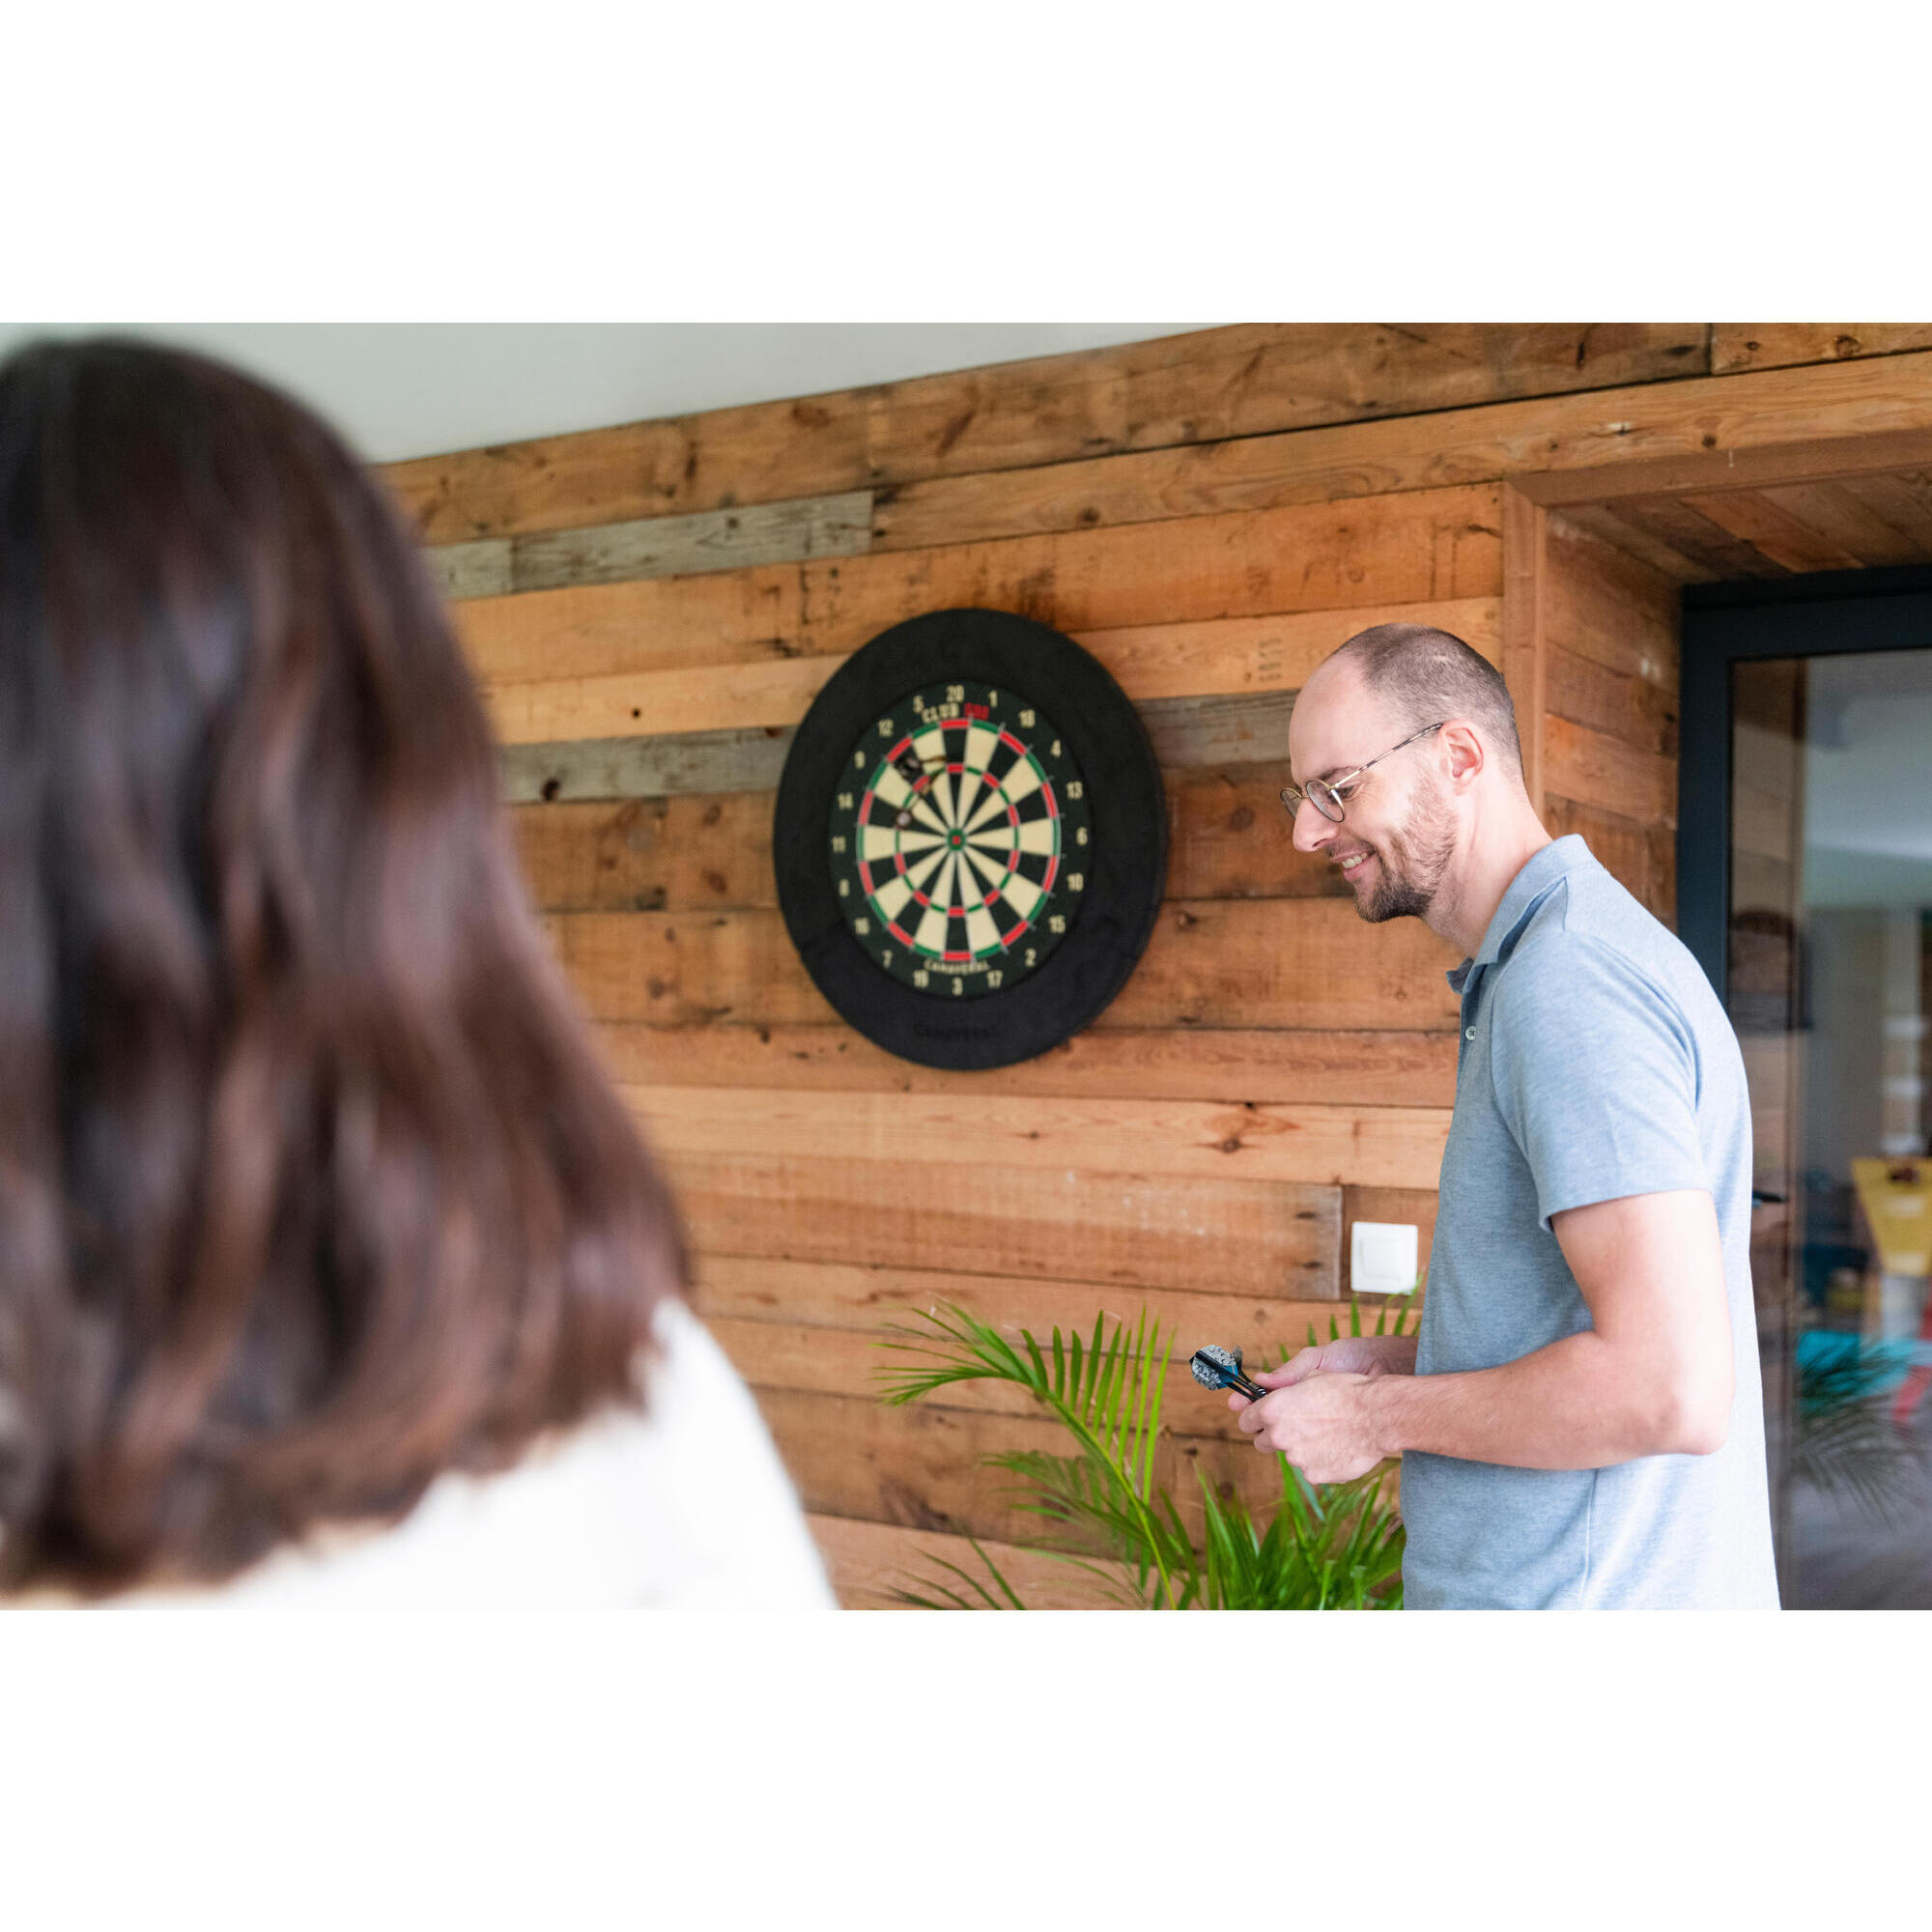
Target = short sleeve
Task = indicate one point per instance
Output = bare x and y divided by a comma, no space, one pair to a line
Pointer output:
1594,1074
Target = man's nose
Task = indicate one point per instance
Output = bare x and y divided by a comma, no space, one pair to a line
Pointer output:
1312,831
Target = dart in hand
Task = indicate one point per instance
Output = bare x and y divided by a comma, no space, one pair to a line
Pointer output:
1221,1369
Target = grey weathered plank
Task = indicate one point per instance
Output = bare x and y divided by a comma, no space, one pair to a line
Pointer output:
480,569
808,526
688,761
1250,728
1187,732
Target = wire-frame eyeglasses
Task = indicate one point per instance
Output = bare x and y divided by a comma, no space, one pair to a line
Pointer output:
1330,796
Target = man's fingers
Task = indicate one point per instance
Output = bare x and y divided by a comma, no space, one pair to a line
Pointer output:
1302,1364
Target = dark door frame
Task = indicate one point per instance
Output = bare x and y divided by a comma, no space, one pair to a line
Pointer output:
1828,614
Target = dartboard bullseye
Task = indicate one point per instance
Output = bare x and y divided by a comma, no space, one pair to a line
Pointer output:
970,840
959,847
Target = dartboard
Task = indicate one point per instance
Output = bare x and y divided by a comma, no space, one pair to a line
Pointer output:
971,839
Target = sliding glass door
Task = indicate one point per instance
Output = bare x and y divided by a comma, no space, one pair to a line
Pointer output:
1805,888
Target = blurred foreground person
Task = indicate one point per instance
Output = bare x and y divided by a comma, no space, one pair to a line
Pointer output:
331,1268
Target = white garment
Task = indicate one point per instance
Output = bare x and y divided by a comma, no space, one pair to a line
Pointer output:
683,1506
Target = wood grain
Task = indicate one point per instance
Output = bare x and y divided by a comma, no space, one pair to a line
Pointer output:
1641,545
657,704
1707,550
1596,769
1325,1067
819,1360
1235,655
1524,655
1610,607
1379,1147
687,969
1848,520
1194,389
1737,346
1261,1239
666,854
921,1467
1287,963
1423,545
1902,502
840,526
841,1294
1630,708
1249,729
465,570
1772,531
868,1563
1773,427
1241,660
748,759
655,546
1429,546
1299,963
1229,837
594,630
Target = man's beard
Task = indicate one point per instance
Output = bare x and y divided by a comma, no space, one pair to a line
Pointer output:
1409,865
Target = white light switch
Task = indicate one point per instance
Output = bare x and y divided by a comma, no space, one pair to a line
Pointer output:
1382,1257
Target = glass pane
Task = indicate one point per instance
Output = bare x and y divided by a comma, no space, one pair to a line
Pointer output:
1830,985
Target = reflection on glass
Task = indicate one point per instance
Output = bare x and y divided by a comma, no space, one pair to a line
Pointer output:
1830,985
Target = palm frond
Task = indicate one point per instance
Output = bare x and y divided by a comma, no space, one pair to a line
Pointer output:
1844,1441
1336,1547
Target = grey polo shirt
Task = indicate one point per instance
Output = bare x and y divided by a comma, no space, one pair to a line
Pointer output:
1595,1062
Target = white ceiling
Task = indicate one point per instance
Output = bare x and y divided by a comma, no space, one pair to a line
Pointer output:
400,390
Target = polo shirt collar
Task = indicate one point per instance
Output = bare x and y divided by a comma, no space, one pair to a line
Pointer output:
1545,869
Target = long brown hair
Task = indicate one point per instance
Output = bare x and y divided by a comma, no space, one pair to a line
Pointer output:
311,1185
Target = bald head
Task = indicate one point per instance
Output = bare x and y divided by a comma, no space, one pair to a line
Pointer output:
1421,676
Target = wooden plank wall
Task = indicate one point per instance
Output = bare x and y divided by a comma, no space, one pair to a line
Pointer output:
651,609
1610,646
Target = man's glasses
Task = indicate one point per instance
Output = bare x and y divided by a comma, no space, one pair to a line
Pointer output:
1330,796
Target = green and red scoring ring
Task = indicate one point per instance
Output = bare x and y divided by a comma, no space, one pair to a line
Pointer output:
991,898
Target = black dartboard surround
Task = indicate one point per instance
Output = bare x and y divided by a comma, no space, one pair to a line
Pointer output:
1102,754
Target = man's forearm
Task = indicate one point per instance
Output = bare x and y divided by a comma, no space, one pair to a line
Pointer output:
1575,1404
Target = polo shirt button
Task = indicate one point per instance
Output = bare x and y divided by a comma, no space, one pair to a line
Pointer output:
1469,1032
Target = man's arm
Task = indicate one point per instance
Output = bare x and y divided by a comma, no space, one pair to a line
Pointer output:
1653,1375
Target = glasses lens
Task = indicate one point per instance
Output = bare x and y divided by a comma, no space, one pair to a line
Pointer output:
1326,800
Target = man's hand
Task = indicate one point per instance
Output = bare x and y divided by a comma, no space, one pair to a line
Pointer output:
1351,1354
1319,1421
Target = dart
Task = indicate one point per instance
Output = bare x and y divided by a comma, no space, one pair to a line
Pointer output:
1221,1369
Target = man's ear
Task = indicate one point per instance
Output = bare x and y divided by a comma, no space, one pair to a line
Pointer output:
1467,760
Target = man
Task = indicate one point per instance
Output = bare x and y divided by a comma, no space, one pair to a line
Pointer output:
1581,1419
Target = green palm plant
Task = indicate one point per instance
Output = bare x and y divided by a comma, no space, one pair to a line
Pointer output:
1335,1547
